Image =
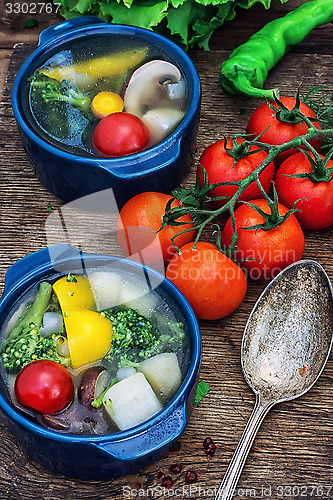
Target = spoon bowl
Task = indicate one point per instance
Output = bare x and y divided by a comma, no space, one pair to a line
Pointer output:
286,343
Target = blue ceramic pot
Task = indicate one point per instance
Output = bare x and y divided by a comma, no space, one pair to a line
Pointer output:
104,456
68,176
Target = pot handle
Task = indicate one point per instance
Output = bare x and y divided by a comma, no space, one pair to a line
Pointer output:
133,169
60,28
23,267
164,433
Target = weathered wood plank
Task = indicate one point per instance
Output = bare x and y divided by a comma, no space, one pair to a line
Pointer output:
294,446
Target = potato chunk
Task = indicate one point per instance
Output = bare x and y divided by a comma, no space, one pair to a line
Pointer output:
163,373
131,401
106,287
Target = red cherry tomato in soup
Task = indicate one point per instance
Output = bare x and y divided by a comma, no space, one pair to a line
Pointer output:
212,283
221,167
120,134
44,386
138,224
268,252
315,197
278,132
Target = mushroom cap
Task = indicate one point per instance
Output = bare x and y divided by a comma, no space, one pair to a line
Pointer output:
147,87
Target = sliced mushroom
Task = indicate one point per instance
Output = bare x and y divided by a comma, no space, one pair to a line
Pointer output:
56,423
161,122
93,383
153,85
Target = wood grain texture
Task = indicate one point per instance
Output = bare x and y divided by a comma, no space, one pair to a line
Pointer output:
294,445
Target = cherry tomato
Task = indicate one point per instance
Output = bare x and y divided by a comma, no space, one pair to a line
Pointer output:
317,203
269,251
140,219
279,132
120,134
220,167
44,386
212,283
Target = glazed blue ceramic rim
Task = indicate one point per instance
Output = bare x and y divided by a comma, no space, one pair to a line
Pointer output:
97,27
178,400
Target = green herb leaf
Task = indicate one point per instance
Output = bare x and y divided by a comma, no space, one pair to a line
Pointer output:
202,390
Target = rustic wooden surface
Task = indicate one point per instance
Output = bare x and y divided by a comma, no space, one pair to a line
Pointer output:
292,456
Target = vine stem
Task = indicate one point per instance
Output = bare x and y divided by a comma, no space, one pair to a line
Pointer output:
273,151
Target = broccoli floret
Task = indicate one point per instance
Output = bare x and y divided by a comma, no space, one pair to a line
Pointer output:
24,342
131,331
136,338
51,90
30,346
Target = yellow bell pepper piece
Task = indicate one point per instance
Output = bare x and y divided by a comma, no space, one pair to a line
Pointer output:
74,291
99,67
89,336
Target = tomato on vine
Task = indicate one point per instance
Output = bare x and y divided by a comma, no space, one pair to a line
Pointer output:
228,161
212,283
279,122
138,227
269,238
308,179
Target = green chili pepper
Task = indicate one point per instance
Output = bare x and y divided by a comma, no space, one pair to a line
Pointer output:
245,71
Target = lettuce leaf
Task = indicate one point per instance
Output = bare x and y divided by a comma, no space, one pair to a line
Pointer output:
189,23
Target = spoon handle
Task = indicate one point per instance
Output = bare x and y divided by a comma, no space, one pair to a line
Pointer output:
231,477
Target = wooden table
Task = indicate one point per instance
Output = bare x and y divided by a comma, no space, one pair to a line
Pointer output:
292,457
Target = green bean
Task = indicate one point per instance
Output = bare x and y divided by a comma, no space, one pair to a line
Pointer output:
33,316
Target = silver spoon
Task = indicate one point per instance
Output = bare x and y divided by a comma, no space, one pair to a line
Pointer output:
285,346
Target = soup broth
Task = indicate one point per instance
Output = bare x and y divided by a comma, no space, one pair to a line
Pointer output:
125,350
60,91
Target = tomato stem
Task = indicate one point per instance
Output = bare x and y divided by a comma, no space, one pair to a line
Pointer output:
205,216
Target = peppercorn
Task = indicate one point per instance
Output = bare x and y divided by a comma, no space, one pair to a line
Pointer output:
176,446
167,482
176,468
191,476
209,446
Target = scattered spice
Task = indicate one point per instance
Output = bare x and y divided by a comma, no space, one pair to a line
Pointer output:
49,207
191,476
209,446
202,390
161,475
176,446
176,468
302,371
167,482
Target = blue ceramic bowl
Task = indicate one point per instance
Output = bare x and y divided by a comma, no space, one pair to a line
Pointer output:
68,176
110,455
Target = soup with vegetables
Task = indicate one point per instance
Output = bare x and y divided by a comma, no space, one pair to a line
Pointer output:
90,354
109,96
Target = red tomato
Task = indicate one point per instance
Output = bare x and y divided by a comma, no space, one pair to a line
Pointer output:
138,223
120,134
317,205
212,283
219,165
44,386
273,250
278,131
